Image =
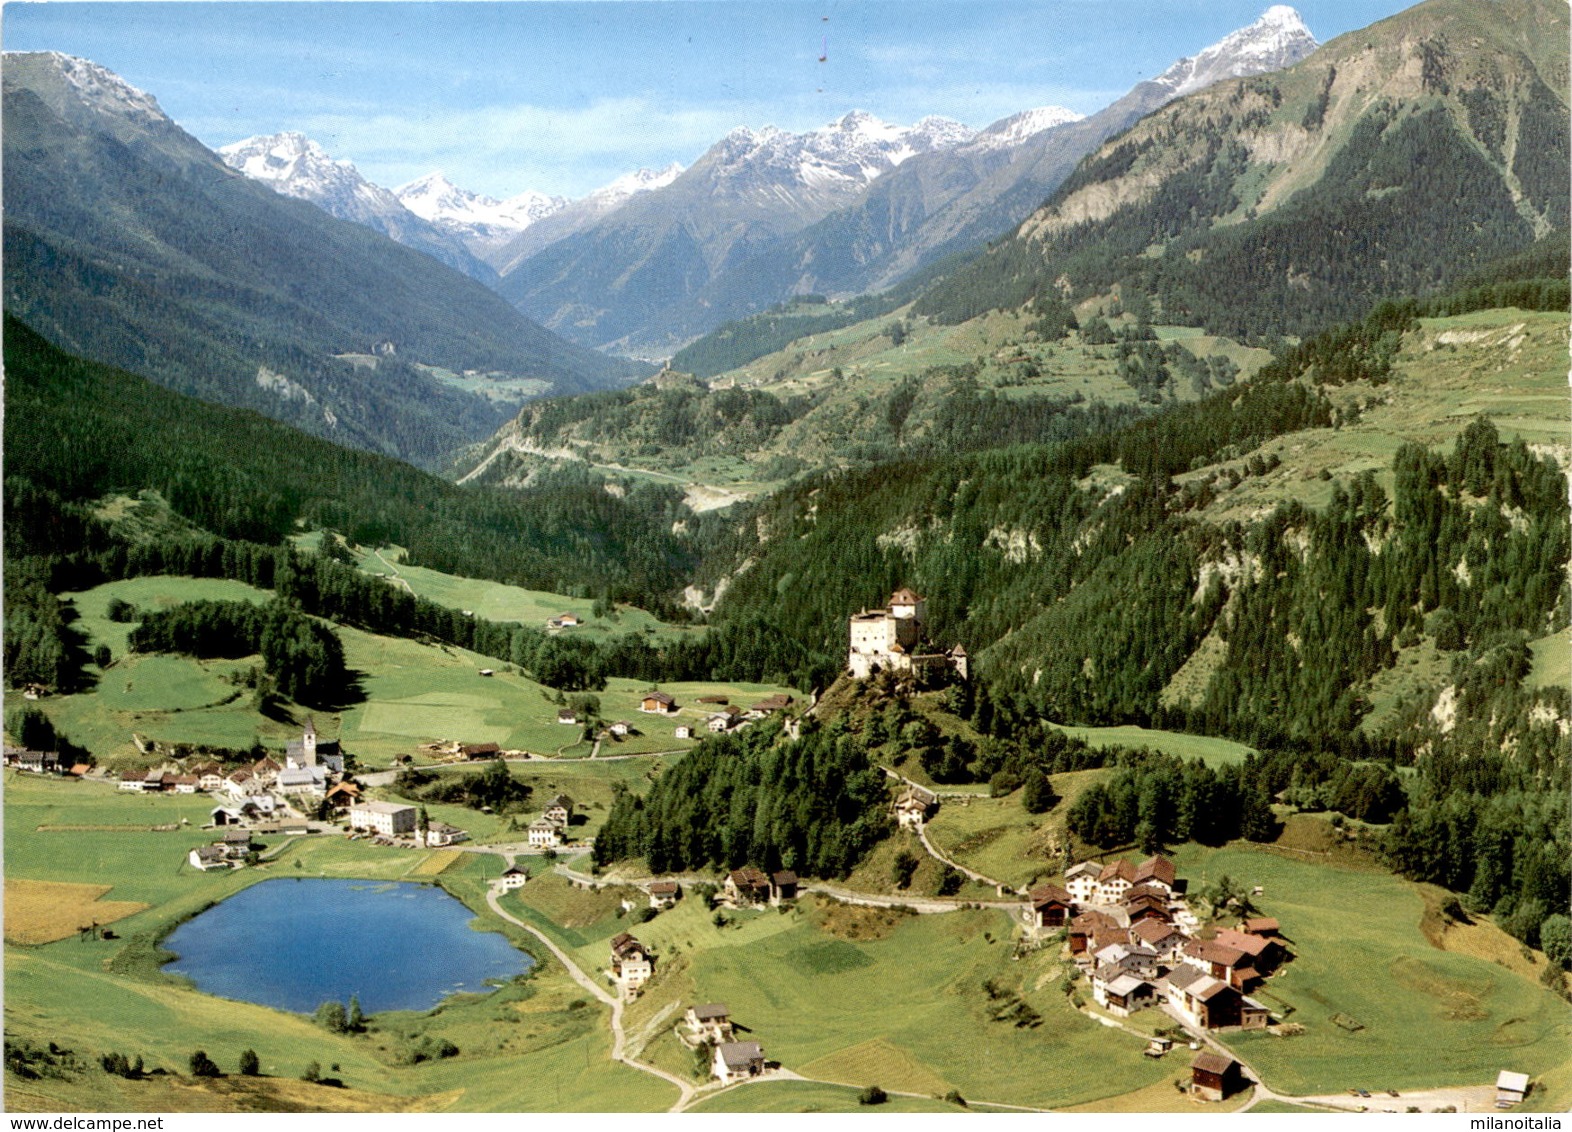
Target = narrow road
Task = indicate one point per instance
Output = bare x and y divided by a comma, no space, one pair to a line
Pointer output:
933,850
923,905
619,1038
393,573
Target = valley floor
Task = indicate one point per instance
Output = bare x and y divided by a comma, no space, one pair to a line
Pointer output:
841,996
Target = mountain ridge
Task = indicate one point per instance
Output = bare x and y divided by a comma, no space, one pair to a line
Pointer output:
293,164
129,242
930,204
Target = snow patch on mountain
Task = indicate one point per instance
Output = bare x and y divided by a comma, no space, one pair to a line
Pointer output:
1278,39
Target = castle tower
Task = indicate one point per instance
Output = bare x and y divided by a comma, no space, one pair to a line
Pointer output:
906,605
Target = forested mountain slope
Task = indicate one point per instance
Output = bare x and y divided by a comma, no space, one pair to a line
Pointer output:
1392,162
77,431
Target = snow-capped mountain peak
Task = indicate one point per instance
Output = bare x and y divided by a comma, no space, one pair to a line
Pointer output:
844,155
296,166
99,86
478,220
293,164
638,181
1015,129
71,84
1277,40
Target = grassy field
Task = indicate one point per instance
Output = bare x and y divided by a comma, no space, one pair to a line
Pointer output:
1509,365
497,602
419,694
998,838
1429,1017
43,911
816,985
1213,752
414,694
96,996
148,595
1552,660
810,1096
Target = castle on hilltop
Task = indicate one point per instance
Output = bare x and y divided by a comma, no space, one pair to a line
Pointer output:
892,640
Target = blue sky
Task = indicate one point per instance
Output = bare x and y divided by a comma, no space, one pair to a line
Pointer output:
563,97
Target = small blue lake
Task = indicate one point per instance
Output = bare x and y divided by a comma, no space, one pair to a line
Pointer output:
296,943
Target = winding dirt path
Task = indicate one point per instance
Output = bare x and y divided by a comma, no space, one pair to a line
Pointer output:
619,1037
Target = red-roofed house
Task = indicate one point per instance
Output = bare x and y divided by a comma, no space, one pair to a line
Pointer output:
1156,870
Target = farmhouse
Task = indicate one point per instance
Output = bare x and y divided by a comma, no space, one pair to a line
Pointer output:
913,806
1091,926
1121,993
440,833
37,762
631,963
544,834
1511,1088
1081,881
185,784
747,885
1128,958
658,703
1143,903
511,878
1116,879
568,716
1158,872
559,810
235,844
1163,938
683,731
711,1021
663,893
209,776
479,750
1261,954
266,770
207,857
564,621
390,819
1261,926
1220,961
621,727
343,796
737,1061
1052,907
1215,1076
1211,1003
783,886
